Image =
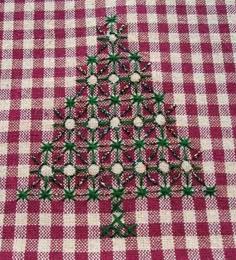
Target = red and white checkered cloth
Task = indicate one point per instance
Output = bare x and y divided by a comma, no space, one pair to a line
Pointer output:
192,47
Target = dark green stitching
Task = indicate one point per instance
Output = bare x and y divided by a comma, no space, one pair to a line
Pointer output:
104,135
210,191
45,194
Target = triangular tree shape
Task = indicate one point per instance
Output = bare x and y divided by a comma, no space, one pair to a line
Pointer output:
116,130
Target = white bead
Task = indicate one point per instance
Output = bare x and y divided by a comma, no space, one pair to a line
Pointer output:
135,77
92,80
117,168
138,122
113,78
93,169
69,170
70,124
140,168
160,119
164,167
186,166
46,171
112,38
115,122
93,123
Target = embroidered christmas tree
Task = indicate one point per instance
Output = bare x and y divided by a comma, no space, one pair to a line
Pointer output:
115,137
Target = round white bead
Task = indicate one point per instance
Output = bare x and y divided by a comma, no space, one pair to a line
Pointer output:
93,169
92,80
112,38
140,168
115,122
113,78
164,167
93,123
160,119
69,170
46,171
138,122
70,124
186,166
135,77
117,168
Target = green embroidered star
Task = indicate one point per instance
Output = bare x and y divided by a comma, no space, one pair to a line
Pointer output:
114,57
92,146
165,191
141,192
45,194
93,100
92,60
187,191
139,144
69,147
69,194
47,147
185,142
93,194
163,142
134,56
117,193
159,98
70,102
138,98
116,144
210,191
22,194
115,100
111,19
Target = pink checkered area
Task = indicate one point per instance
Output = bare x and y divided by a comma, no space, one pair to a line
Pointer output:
192,47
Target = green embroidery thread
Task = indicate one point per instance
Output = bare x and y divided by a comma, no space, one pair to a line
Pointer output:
115,131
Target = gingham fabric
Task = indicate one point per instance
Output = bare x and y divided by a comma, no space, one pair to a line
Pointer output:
192,46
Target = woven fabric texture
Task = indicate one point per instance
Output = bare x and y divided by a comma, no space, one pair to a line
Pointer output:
191,46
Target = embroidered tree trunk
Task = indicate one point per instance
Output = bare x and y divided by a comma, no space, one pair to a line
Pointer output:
116,128
118,226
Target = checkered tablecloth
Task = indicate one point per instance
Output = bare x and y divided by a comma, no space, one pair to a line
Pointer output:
192,47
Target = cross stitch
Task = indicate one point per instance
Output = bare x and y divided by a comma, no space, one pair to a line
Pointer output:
114,131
